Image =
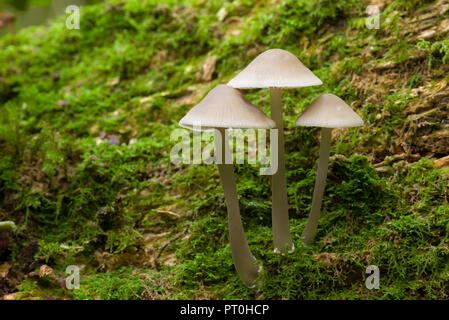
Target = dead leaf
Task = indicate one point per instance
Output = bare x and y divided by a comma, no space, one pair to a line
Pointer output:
45,271
145,100
221,14
208,68
114,81
442,162
11,296
62,103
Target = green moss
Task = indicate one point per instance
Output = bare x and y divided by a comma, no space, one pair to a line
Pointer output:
121,284
65,94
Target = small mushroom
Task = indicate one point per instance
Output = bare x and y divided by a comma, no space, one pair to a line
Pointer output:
277,69
327,111
7,226
224,107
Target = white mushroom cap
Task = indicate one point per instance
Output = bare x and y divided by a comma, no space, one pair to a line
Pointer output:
225,107
329,111
275,68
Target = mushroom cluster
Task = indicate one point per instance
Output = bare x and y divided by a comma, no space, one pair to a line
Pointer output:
277,69
224,107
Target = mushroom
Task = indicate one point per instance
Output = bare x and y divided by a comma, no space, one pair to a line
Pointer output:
277,69
225,107
7,226
327,111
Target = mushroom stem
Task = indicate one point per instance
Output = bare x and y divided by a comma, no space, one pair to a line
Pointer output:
309,232
279,213
244,261
7,226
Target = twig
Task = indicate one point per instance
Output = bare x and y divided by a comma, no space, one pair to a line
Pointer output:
168,212
173,240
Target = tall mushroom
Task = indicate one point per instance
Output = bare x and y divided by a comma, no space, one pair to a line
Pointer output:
224,107
277,69
327,111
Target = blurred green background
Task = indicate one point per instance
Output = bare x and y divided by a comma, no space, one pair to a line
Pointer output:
34,12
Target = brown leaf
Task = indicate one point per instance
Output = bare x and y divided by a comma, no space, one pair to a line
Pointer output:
208,68
62,103
45,271
113,82
11,296
442,162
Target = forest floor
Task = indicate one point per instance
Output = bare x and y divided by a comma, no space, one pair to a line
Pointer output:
85,122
